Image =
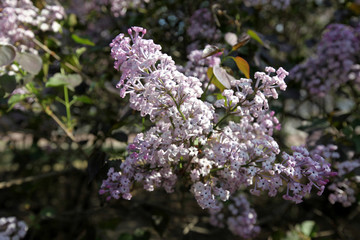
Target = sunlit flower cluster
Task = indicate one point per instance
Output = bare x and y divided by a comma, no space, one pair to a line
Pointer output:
191,141
20,19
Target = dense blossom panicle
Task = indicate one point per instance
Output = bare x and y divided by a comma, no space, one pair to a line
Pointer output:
344,189
237,216
279,4
197,66
190,141
328,152
336,61
248,100
12,229
18,18
345,186
202,25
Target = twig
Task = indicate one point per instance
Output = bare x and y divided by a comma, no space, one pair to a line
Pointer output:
57,57
57,120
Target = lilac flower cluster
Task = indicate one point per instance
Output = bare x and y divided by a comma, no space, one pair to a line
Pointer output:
238,216
344,190
279,4
344,187
12,229
328,152
19,18
191,141
335,63
202,27
197,66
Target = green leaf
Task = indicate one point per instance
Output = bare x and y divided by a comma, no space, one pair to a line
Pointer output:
52,42
29,62
243,65
57,80
126,236
214,80
80,51
83,99
255,36
72,21
71,81
307,227
81,40
223,77
2,93
17,98
8,83
47,212
356,140
7,54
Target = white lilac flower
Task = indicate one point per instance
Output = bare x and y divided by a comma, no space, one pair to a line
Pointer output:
11,228
230,155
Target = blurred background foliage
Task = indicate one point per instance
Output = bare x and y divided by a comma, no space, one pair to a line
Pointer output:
57,142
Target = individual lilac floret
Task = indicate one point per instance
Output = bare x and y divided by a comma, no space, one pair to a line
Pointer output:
237,216
334,63
12,229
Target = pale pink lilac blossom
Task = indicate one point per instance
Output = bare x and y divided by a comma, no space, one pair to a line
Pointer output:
334,64
345,188
202,27
197,66
190,141
238,216
20,19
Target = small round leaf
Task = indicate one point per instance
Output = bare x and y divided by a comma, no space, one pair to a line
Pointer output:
7,54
